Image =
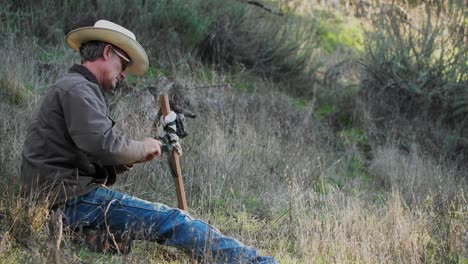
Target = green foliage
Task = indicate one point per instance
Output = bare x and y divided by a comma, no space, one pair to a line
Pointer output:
182,23
336,101
45,20
299,102
243,81
419,72
85,255
272,47
354,136
334,34
225,34
324,110
154,72
185,18
10,254
336,109
356,168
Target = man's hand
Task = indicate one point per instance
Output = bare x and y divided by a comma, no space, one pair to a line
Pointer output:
152,148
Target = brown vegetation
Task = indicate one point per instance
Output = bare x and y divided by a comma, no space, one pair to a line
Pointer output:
368,166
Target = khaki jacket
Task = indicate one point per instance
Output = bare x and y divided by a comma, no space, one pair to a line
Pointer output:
71,147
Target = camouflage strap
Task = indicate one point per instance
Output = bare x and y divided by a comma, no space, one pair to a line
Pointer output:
170,137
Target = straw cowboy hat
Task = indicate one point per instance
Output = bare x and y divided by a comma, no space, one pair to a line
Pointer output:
114,34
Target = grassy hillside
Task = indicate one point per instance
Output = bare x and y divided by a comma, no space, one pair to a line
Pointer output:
325,134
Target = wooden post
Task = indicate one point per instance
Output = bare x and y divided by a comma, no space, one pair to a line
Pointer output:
179,182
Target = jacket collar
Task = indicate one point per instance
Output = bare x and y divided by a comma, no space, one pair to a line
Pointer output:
78,68
85,72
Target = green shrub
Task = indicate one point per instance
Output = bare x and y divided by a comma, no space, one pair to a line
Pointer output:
273,47
333,34
229,34
420,73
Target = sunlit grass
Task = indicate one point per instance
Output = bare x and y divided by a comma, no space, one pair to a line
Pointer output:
295,177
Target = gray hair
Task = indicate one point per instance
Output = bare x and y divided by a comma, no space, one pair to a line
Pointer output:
92,50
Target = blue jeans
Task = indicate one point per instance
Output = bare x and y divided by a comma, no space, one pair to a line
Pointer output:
141,220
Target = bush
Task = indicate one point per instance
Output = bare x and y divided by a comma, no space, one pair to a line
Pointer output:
414,75
274,47
228,34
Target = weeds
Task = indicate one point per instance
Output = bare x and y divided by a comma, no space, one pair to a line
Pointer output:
420,73
231,34
318,181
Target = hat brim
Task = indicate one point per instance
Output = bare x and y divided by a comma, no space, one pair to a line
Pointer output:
134,50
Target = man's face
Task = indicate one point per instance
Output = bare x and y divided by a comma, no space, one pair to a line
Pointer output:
117,64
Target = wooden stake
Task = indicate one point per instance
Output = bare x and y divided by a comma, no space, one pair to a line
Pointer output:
179,182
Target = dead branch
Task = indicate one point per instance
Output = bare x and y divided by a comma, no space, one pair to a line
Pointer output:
262,6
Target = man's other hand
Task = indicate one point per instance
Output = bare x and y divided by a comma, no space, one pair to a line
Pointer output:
152,148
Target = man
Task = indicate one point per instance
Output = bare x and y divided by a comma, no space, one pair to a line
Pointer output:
72,154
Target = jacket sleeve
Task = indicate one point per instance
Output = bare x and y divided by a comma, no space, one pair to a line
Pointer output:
85,113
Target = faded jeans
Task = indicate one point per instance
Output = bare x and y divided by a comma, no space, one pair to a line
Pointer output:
142,220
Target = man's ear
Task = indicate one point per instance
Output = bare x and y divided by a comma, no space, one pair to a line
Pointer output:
106,52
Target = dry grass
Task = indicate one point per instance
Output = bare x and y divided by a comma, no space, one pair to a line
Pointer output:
257,165
417,175
346,230
262,170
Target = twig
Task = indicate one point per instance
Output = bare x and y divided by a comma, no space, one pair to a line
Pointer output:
213,86
258,4
281,216
107,226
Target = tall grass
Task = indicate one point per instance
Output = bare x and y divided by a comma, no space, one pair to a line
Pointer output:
267,169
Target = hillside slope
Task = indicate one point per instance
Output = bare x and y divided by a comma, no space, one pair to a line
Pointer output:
313,141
